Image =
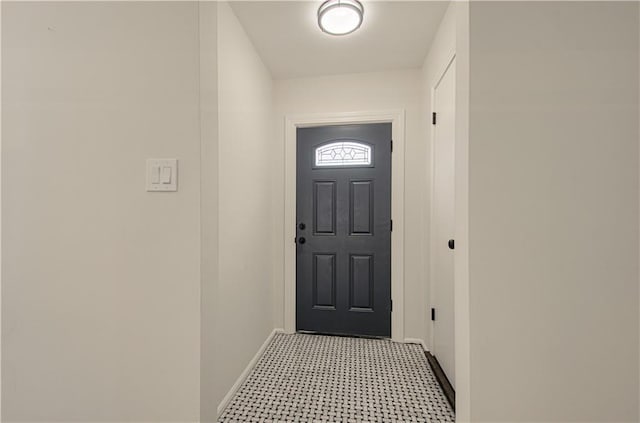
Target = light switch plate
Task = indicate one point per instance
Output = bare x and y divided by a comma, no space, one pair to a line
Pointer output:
162,175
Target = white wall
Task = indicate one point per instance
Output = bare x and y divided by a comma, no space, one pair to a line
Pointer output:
102,301
461,253
246,159
100,279
381,91
553,209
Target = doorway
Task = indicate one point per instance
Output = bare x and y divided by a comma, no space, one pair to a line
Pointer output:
292,123
443,222
343,211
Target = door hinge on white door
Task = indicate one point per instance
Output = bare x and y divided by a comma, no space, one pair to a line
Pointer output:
391,305
391,225
392,146
433,314
433,118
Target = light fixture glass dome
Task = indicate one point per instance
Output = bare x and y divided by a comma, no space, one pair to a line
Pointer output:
340,17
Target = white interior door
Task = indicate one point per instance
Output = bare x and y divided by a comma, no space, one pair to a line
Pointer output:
443,222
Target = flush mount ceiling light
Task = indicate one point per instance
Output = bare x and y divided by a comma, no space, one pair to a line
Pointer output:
340,17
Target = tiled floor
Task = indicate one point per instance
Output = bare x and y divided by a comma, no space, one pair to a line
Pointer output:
317,378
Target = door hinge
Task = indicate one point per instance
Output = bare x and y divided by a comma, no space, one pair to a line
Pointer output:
390,305
392,146
433,118
391,225
433,314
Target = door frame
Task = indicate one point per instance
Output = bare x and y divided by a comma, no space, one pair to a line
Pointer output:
397,120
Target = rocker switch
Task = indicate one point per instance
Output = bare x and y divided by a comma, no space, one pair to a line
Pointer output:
165,175
155,175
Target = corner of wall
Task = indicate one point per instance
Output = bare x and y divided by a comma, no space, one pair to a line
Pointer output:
462,310
208,208
245,137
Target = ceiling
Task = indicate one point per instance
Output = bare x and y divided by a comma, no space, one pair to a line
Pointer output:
394,35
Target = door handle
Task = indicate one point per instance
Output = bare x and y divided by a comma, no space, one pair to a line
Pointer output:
301,240
302,226
452,244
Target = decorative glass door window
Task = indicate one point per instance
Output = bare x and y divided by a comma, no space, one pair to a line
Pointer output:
343,153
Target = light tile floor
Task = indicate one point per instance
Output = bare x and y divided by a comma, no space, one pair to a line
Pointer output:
314,378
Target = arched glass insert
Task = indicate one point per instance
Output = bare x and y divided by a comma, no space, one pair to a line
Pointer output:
343,153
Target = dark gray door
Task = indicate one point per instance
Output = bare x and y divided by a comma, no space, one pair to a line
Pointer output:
343,275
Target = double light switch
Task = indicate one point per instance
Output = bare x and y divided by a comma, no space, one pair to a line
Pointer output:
162,174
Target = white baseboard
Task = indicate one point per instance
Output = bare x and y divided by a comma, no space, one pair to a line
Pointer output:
245,373
416,341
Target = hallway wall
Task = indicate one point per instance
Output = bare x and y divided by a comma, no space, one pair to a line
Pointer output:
246,158
553,207
100,279
379,91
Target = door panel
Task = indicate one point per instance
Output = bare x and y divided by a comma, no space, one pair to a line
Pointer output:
361,281
361,208
324,208
443,223
343,265
324,281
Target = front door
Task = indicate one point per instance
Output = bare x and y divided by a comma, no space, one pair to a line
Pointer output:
343,195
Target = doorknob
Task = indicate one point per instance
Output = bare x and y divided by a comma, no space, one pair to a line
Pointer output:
301,240
452,244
